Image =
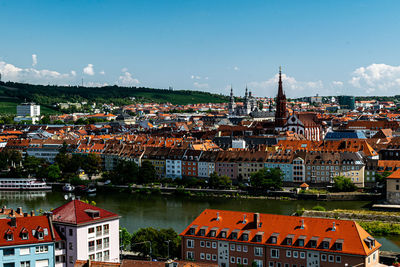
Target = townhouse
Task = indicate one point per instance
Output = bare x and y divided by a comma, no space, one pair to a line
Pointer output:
157,157
393,188
89,232
190,162
282,160
227,164
173,163
206,164
249,162
234,238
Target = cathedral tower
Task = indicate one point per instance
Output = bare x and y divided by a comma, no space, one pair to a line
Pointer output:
281,113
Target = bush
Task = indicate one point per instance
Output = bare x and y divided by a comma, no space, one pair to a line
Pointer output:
343,184
318,208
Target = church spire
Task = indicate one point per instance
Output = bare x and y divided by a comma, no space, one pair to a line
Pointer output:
280,87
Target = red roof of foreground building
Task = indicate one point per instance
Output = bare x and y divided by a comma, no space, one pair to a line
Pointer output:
394,175
79,212
28,225
349,233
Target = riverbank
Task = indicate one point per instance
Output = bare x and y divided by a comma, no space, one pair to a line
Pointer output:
234,193
374,222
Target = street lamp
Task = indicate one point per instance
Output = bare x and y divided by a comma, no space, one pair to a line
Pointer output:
167,247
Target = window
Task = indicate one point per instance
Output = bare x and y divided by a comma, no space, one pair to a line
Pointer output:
325,245
71,232
91,257
214,257
91,230
99,244
214,244
9,237
274,253
239,260
70,246
338,259
202,244
98,256
208,256
232,247
288,253
190,243
106,255
24,251
258,251
323,257
258,263
98,230
190,255
295,254
202,256
71,259
271,264
244,248
11,264
106,229
208,244
245,261
245,237
24,236
41,249
106,242
8,252
25,264
232,259
302,255
330,258
238,248
301,242
60,259
91,246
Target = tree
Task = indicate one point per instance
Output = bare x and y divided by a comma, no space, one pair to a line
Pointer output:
343,184
267,178
381,177
91,164
125,238
32,164
53,172
125,172
147,172
216,181
160,240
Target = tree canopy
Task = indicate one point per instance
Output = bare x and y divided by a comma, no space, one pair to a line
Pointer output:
267,179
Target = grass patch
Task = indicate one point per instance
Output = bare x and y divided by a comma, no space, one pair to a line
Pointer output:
381,228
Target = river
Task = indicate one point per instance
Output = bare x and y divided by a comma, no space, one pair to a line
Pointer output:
162,211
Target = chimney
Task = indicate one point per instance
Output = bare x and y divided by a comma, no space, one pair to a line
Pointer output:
257,219
334,227
13,222
244,219
302,224
217,216
25,214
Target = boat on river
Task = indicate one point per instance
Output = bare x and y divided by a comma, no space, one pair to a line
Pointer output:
11,184
68,188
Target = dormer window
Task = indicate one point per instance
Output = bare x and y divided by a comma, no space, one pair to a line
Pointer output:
326,243
313,242
339,244
300,240
40,235
258,237
213,232
245,237
24,236
274,238
234,235
192,230
289,240
9,237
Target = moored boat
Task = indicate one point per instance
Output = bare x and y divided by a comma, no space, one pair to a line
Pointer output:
23,184
68,188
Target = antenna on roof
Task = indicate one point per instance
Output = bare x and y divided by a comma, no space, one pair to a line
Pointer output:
302,224
217,216
244,219
334,227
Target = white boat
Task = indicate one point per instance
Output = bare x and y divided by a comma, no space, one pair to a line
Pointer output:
23,184
68,188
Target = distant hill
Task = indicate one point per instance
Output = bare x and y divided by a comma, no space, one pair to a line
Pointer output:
47,95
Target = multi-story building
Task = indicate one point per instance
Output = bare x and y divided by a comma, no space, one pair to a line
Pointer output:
28,110
190,163
226,164
393,188
157,157
27,241
249,162
353,167
232,238
281,160
90,233
206,164
173,163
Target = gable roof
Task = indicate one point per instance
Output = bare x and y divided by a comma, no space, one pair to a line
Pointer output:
348,232
78,212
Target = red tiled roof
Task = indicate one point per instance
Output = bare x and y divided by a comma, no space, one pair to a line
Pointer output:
24,224
76,212
349,231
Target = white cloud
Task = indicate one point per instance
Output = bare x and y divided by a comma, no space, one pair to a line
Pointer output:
34,60
10,72
73,73
200,85
88,70
290,84
205,78
382,79
102,72
337,83
95,84
195,77
126,79
236,68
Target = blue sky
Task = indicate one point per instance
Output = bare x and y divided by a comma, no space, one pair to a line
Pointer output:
325,47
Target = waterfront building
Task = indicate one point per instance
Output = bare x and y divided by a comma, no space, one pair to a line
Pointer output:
233,238
190,163
249,162
89,232
226,164
27,241
283,161
173,163
206,164
393,188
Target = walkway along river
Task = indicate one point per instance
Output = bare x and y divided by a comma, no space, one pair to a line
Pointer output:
162,211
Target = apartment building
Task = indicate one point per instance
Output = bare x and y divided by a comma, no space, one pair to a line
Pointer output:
281,160
27,241
393,188
233,238
206,164
226,164
90,233
173,163
190,163
249,162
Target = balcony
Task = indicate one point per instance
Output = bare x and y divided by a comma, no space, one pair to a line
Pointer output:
106,245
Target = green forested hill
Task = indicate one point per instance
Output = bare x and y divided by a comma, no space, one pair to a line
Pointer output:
48,95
